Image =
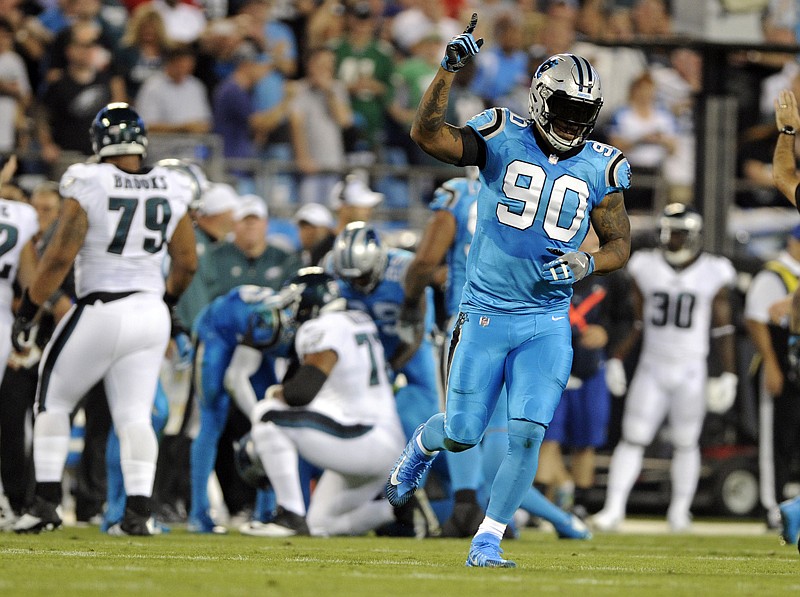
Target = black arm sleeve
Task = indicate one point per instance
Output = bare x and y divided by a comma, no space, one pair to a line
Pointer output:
303,386
474,148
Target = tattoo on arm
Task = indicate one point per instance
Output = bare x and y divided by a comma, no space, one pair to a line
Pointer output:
430,116
610,221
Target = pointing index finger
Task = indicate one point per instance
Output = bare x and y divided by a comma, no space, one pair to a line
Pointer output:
472,22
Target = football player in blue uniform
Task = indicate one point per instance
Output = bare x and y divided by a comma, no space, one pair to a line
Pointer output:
371,279
447,238
238,336
542,182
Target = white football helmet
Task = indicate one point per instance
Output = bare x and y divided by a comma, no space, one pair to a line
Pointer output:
197,178
359,256
680,233
565,100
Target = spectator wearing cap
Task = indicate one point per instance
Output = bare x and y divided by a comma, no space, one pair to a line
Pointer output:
241,126
213,221
315,227
364,63
353,201
767,312
174,100
248,258
319,116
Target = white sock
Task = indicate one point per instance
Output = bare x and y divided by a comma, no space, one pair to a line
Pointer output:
684,474
492,527
626,463
50,445
138,450
423,449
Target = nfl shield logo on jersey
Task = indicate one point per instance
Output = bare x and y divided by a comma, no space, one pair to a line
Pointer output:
484,321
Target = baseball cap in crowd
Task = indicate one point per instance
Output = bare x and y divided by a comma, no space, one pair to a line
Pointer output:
251,205
360,9
314,214
217,199
354,191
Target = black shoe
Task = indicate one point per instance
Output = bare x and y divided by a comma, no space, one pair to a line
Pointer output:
464,521
42,516
132,523
285,524
172,513
409,521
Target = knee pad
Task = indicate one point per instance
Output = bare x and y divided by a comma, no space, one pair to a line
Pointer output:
525,434
465,428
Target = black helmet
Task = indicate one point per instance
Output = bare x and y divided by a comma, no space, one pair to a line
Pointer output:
118,130
318,292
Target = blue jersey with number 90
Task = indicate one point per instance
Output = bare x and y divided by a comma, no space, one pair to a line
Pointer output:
530,201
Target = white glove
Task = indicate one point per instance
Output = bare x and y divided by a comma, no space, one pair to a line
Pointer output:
274,392
574,383
616,380
568,268
721,392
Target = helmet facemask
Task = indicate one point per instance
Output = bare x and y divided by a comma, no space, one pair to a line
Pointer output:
565,100
680,235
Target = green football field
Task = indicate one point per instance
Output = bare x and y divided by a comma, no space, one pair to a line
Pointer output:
81,561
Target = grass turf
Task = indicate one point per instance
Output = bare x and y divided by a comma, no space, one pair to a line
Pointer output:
81,561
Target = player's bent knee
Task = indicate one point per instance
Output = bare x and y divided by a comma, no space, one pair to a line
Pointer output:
465,429
528,432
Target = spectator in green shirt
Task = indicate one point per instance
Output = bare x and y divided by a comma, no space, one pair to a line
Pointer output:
249,258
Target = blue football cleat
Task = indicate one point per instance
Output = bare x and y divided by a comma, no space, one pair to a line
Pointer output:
575,529
407,472
485,552
790,520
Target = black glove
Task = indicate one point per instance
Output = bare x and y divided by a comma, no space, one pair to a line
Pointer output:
410,324
176,325
793,353
462,47
24,321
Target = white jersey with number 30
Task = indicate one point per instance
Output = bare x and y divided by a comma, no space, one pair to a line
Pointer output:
358,389
131,219
677,303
